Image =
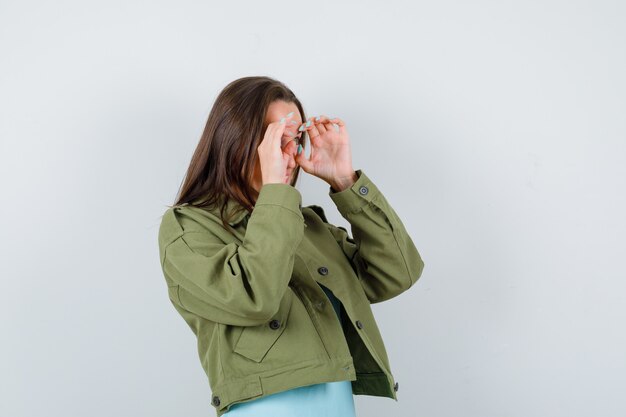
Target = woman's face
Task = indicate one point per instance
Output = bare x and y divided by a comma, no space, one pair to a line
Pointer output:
275,112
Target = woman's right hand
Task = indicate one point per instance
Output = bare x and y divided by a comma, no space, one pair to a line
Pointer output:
274,159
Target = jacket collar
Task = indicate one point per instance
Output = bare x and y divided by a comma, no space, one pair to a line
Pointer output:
231,206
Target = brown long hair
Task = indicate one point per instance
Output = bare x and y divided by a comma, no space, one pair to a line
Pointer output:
222,166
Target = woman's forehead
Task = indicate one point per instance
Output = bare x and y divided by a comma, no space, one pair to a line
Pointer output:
280,108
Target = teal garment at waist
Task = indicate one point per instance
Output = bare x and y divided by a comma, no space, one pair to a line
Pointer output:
329,399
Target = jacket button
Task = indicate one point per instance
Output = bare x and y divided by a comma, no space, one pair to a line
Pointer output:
359,324
216,400
275,324
363,190
322,270
395,386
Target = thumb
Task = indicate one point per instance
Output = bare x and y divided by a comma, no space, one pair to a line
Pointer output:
303,161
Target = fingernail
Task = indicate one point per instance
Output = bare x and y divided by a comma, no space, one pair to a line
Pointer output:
290,114
317,119
299,149
293,122
301,128
308,123
282,121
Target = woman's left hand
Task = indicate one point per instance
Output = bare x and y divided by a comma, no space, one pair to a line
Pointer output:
330,158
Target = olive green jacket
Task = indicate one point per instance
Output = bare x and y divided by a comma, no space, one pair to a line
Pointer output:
253,300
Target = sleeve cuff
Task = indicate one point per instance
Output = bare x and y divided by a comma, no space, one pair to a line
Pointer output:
355,197
283,195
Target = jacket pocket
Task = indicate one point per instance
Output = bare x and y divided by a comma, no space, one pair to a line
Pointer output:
256,341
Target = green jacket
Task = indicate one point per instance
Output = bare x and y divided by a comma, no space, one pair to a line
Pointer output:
262,322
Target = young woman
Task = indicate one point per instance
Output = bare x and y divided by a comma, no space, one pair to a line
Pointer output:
279,298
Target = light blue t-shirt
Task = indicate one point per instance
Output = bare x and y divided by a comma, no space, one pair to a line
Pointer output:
329,399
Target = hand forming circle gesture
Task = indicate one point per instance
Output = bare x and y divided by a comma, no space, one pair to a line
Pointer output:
330,158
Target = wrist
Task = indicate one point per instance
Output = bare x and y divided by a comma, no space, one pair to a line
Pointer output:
343,183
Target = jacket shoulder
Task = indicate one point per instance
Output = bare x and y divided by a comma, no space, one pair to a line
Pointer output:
178,220
170,228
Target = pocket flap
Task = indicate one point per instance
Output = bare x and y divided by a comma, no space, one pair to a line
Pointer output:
256,341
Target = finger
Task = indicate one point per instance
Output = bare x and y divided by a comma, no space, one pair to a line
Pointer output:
311,130
315,141
276,131
303,161
292,125
328,125
291,128
290,147
304,126
272,137
340,123
319,123
289,135
286,121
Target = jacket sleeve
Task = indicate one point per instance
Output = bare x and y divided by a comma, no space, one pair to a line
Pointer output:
381,250
240,284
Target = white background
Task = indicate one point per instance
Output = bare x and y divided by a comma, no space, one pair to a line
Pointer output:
496,129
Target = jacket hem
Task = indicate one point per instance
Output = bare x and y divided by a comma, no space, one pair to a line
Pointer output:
261,385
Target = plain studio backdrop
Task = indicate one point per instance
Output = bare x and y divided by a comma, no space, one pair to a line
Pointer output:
496,130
